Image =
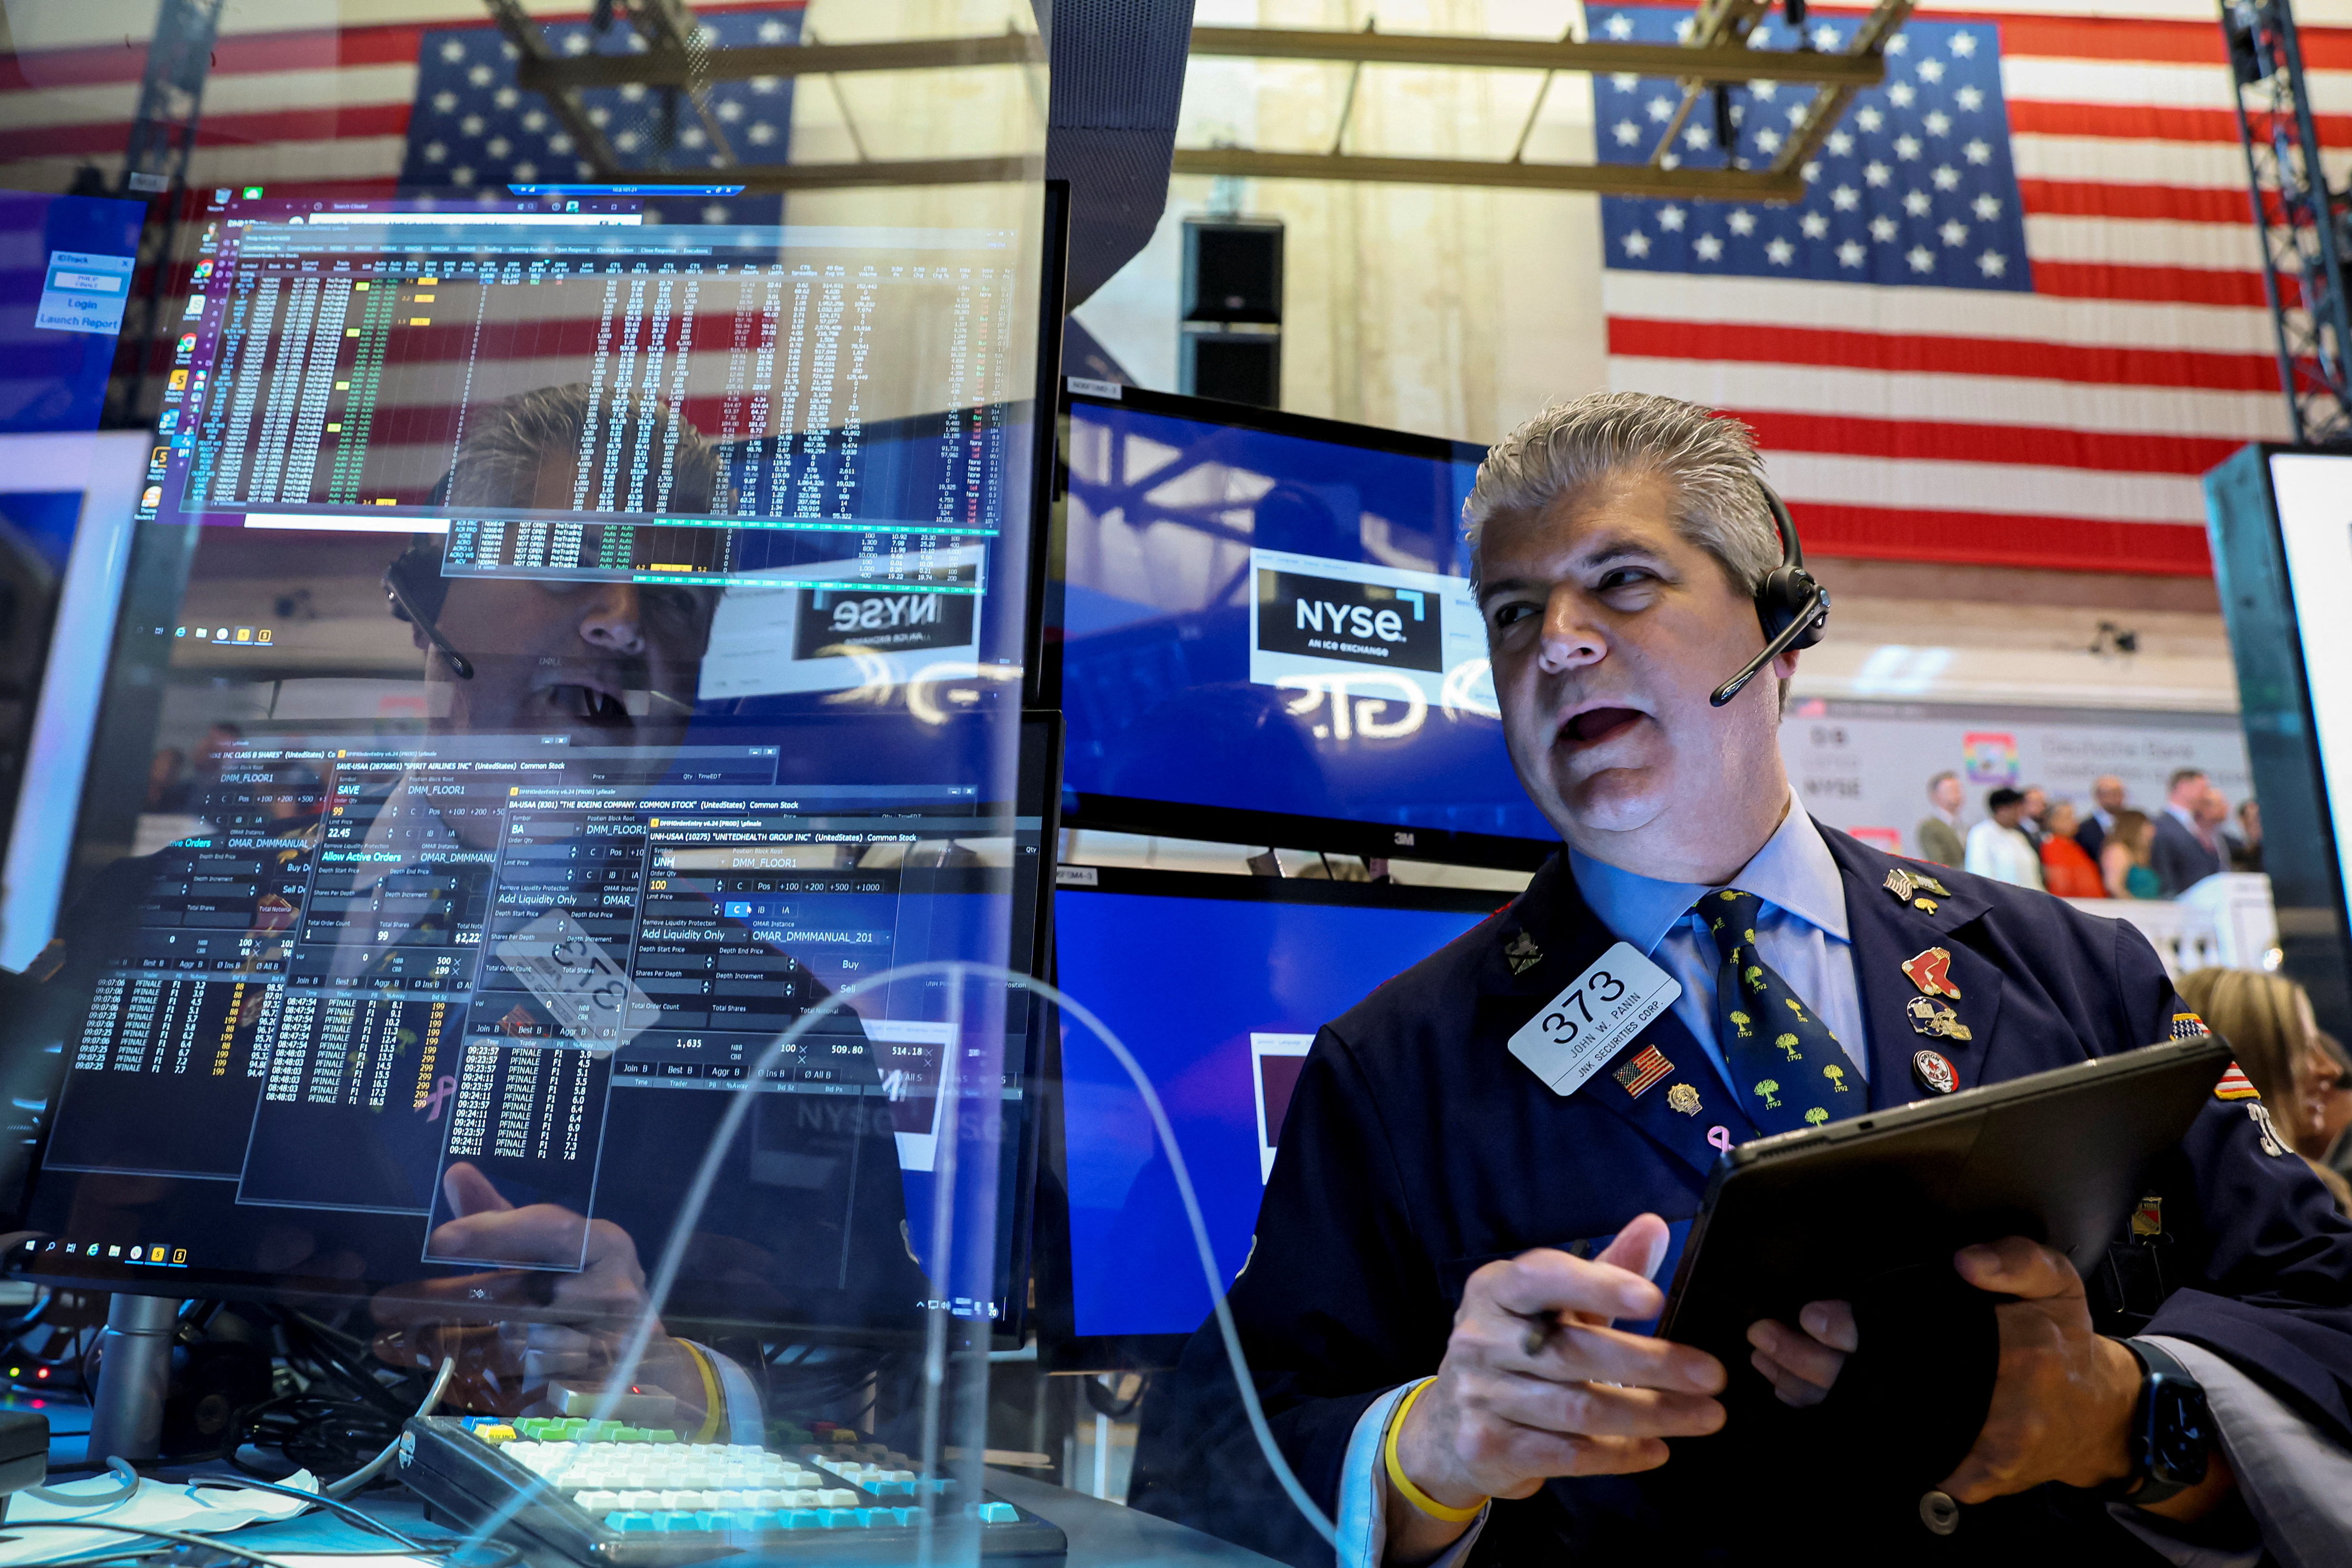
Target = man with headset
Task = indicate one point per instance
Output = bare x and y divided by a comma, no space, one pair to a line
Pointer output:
1447,1238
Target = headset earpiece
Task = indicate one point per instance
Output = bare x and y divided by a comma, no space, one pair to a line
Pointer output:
1786,593
413,585
1789,605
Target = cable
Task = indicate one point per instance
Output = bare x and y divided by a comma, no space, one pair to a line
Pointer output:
707,1174
356,1514
705,1177
367,1472
96,1503
185,1538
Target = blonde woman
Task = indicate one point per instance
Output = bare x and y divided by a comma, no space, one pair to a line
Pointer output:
2267,1021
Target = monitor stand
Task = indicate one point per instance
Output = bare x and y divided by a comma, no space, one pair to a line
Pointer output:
134,1376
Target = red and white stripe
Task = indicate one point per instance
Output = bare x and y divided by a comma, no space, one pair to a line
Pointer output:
305,111
2066,428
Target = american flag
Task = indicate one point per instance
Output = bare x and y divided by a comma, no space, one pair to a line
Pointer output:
472,127
311,111
2020,310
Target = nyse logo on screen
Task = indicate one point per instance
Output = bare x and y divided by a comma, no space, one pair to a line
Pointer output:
886,622
1362,623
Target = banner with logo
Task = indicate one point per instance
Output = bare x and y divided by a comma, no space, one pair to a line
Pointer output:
1863,766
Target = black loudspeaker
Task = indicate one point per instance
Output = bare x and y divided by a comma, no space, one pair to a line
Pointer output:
1232,346
1232,271
1233,368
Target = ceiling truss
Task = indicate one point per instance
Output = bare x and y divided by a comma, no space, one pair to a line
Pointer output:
1716,54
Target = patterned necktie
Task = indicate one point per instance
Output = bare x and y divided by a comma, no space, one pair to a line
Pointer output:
1784,1062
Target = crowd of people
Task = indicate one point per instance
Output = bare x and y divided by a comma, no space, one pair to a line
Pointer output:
2111,850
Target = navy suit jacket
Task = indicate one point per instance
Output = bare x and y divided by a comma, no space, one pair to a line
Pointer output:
1416,1148
2177,858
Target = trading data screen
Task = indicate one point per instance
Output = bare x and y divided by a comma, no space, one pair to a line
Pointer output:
1223,1058
747,401
1272,617
558,653
548,963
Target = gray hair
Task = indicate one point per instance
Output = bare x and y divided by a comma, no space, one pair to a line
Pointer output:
1709,458
499,463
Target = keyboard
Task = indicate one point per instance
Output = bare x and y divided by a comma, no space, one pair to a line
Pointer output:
601,1492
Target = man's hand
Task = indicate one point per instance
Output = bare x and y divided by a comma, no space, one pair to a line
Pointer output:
2062,1400
548,1326
2062,1397
1535,1385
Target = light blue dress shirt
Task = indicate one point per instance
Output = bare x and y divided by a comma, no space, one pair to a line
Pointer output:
1802,932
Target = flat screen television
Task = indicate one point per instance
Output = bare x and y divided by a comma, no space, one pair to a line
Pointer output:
1263,631
1288,956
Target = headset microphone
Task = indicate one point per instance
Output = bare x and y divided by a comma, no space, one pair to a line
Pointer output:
414,585
1792,608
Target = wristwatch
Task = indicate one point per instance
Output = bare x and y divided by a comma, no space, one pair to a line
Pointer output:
2171,1430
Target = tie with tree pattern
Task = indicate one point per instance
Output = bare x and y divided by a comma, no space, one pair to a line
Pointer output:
1783,1060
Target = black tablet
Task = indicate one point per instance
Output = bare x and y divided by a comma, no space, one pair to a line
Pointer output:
1820,1215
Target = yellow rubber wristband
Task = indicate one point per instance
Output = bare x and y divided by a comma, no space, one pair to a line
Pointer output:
714,1403
1398,1479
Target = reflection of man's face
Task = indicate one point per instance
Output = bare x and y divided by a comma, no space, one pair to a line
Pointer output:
608,663
571,658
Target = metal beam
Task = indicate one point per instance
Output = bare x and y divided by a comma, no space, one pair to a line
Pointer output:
1831,102
886,172
1610,179
550,74
1729,62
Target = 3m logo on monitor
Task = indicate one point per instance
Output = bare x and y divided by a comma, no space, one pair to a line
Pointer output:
886,623
1364,623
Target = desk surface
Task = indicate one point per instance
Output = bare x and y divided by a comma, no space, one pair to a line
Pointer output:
1107,1535
1102,1534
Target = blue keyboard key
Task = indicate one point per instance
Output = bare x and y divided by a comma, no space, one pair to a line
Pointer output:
906,1515
632,1520
675,1522
840,1519
804,1519
999,1514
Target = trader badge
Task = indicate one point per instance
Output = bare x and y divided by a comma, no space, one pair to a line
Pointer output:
1523,953
1929,1016
1931,972
1683,1098
1935,1073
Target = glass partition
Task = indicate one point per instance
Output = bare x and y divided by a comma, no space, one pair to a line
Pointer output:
522,878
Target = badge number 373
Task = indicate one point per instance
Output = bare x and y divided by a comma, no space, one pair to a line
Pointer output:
1593,1018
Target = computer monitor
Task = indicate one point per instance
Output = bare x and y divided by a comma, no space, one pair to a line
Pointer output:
586,646
1217,984
1267,636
